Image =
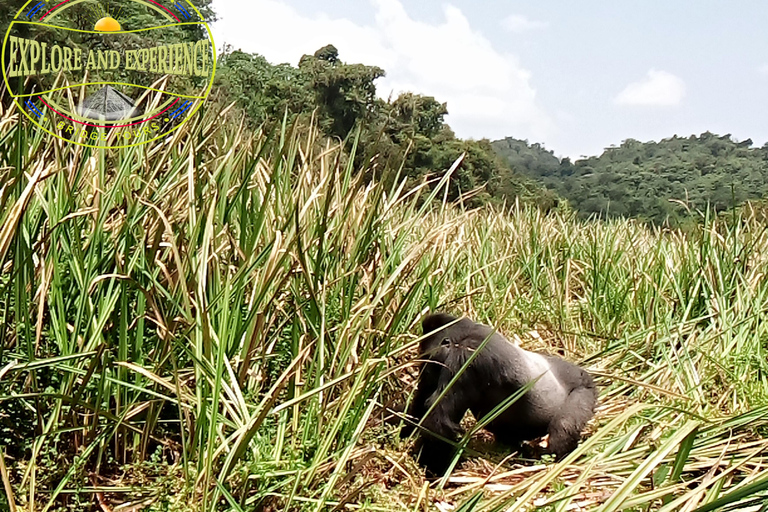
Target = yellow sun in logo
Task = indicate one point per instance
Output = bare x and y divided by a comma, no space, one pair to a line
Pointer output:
107,24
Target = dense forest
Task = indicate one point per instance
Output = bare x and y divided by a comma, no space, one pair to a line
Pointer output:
405,138
658,182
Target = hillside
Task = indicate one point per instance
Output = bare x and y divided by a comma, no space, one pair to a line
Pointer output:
652,181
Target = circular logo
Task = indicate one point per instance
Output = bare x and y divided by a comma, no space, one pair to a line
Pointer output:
114,74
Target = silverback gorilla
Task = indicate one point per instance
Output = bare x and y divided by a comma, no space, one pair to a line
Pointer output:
560,403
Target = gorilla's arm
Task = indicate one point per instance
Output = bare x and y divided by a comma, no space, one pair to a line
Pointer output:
445,421
566,426
446,413
429,375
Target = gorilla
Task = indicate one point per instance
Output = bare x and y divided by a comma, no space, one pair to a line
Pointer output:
560,403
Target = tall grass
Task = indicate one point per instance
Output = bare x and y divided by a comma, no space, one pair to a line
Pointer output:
217,322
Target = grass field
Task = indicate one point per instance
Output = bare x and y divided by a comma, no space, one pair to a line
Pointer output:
219,321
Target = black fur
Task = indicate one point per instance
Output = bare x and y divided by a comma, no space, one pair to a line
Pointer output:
560,403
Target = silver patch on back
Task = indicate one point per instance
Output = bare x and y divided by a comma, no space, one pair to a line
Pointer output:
548,385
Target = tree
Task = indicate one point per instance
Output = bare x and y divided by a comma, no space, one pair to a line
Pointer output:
344,93
265,92
413,114
328,53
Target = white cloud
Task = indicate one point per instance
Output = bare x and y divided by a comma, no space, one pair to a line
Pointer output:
489,93
763,70
659,88
520,23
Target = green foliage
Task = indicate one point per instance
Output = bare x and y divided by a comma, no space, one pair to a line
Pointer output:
659,182
344,93
263,91
412,115
408,136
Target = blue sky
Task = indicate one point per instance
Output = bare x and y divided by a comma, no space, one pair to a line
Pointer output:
575,76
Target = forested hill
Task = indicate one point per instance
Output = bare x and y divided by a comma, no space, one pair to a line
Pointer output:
652,181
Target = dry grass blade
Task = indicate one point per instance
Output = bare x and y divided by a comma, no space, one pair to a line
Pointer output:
13,217
6,483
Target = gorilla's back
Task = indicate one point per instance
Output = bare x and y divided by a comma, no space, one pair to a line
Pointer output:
540,402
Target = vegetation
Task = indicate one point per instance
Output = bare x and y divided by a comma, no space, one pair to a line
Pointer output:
227,321
408,133
671,181
217,323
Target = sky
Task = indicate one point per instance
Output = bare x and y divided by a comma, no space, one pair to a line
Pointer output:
577,77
